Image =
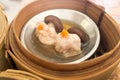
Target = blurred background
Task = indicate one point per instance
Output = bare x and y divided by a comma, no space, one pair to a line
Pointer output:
12,7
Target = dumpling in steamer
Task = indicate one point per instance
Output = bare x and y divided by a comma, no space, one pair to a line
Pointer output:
46,33
68,44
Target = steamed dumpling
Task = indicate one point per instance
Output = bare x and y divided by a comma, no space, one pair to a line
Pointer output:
68,44
46,33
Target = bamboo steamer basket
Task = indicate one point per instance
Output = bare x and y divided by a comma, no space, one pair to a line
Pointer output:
11,74
98,68
3,31
18,22
18,28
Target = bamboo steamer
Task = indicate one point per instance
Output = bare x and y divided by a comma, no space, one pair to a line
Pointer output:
18,75
74,5
3,30
98,68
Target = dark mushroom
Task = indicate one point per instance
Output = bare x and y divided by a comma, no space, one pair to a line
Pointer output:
56,21
83,35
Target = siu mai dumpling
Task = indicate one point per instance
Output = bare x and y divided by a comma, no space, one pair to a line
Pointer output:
46,33
68,44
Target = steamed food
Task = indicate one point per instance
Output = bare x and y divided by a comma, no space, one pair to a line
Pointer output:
83,36
46,34
66,42
56,21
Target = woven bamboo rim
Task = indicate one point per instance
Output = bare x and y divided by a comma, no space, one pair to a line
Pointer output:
3,27
94,69
3,30
18,75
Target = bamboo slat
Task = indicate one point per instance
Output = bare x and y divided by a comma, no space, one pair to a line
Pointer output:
3,31
18,75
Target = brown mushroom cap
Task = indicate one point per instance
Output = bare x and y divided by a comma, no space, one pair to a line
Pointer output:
56,21
83,36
